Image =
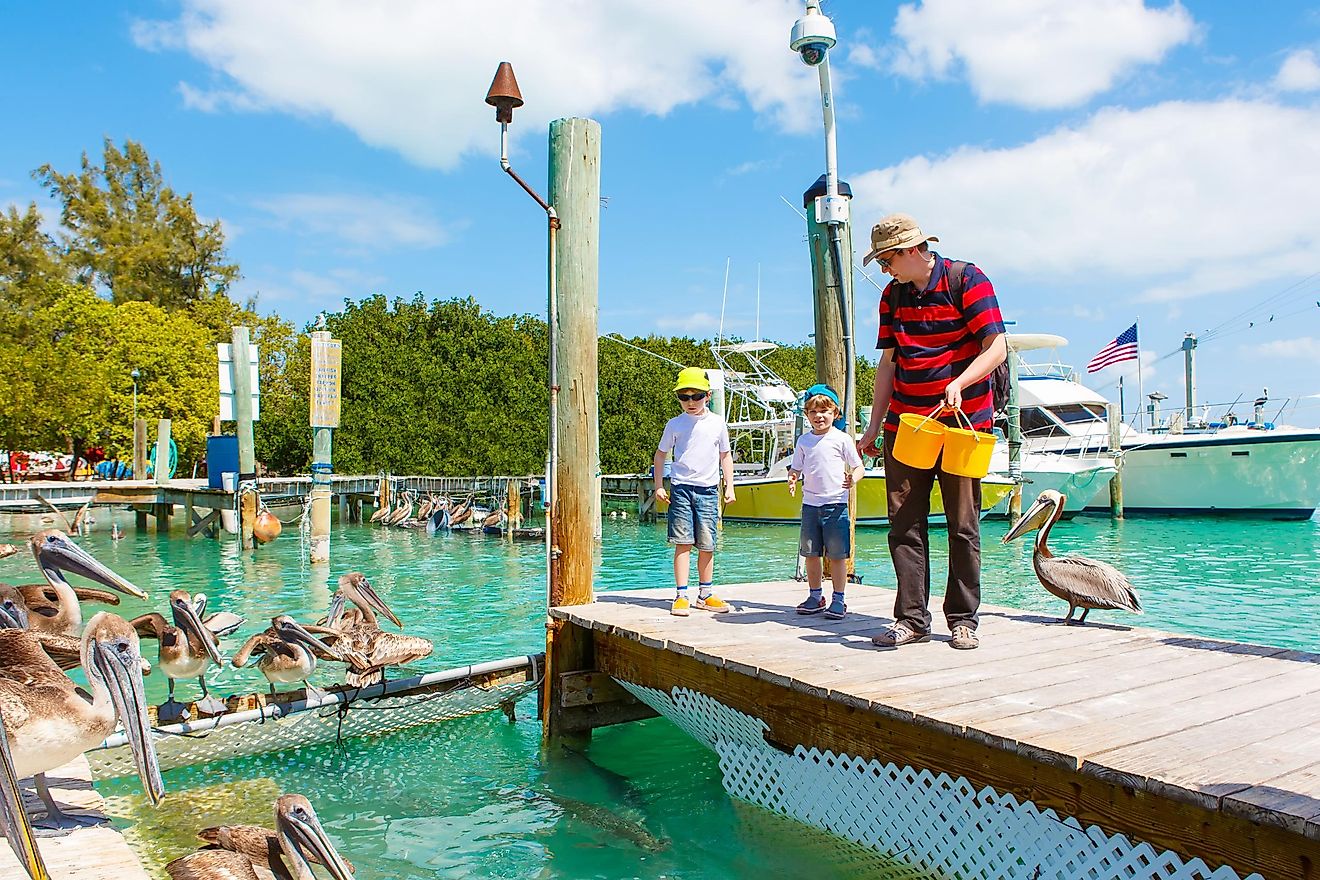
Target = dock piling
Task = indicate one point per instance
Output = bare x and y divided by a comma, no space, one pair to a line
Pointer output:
1116,452
247,458
324,416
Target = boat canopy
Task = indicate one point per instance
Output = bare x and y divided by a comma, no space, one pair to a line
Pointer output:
1034,341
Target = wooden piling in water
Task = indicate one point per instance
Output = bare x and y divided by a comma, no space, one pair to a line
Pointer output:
1116,451
247,458
324,418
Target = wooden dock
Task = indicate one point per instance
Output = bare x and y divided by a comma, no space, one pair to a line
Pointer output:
91,853
1206,748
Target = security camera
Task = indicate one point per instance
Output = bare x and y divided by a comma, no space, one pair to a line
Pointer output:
813,36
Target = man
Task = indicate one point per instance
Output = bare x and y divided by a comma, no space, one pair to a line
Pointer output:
941,336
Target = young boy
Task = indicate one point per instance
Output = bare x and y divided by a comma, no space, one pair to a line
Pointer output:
699,440
827,463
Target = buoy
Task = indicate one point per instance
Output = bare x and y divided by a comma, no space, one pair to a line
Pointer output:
267,527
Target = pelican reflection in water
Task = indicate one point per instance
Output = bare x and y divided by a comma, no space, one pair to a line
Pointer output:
1081,582
240,852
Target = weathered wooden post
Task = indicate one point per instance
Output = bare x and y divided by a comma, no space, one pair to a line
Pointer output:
140,464
327,359
247,457
1116,451
161,463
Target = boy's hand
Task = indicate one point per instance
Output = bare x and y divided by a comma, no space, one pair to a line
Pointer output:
792,483
847,479
662,494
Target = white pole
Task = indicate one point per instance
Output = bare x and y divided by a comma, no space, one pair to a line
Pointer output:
1141,388
724,300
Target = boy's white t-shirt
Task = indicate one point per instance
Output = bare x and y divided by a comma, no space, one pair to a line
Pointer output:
823,459
697,443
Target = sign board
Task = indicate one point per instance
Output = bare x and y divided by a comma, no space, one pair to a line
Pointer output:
227,382
327,358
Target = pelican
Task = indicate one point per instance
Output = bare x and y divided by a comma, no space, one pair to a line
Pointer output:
51,721
1081,582
288,652
17,826
248,852
53,606
187,648
66,651
362,633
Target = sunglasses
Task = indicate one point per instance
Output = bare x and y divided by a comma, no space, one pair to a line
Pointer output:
885,261
700,395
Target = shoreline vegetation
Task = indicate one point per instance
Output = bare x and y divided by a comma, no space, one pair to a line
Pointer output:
431,385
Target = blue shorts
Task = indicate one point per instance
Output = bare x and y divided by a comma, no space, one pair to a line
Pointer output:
693,512
825,531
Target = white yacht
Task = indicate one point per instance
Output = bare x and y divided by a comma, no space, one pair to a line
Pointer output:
1252,469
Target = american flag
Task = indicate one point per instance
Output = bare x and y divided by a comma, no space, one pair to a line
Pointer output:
1123,348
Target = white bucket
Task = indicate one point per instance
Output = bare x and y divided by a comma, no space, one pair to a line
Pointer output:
228,518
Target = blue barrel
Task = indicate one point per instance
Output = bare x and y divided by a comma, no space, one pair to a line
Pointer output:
221,456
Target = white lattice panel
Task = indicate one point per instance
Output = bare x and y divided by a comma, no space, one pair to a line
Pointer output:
929,823
366,718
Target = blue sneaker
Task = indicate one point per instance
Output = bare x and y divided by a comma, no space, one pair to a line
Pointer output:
837,610
812,606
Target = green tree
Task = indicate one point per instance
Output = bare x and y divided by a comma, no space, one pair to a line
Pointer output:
127,231
29,260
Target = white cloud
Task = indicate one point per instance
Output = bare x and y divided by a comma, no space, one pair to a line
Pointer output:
1035,53
697,322
376,222
311,290
411,75
1167,202
1300,72
1305,348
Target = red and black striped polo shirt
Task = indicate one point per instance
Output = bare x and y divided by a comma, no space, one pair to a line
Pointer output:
936,337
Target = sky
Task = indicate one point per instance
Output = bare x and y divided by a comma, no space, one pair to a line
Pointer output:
1103,161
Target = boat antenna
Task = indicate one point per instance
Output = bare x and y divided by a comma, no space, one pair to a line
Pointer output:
724,300
616,338
758,302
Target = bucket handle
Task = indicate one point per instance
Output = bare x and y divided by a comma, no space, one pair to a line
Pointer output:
933,413
967,421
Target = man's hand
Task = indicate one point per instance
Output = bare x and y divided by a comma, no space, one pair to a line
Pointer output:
953,395
729,497
662,494
867,444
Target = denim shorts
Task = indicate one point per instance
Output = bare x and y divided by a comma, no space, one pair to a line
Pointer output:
825,531
693,512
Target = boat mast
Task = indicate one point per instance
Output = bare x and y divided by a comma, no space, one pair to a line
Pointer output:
1189,375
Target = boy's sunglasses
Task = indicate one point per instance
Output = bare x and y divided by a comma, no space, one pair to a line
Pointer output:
700,395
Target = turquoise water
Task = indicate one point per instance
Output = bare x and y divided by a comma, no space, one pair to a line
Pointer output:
477,798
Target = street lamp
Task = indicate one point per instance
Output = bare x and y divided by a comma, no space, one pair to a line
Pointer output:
812,38
135,374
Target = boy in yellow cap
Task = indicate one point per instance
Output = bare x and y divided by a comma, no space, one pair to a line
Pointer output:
699,440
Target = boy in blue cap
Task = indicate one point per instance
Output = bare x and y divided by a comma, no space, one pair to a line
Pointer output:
699,440
827,463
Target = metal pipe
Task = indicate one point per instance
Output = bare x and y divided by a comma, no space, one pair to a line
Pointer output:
827,106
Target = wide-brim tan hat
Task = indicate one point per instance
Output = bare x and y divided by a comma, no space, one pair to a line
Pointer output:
893,232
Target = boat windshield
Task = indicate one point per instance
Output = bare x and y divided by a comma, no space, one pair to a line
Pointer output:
1074,413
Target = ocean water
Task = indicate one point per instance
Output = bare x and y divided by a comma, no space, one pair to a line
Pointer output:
477,797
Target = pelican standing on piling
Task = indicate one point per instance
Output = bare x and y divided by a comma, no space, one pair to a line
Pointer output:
1081,582
362,633
249,851
53,606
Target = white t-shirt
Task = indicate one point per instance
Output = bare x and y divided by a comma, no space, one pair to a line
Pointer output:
823,459
697,443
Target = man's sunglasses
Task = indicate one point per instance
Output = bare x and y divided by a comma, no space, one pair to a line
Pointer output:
700,395
885,261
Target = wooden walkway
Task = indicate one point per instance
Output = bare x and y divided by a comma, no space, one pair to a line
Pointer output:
1208,748
92,853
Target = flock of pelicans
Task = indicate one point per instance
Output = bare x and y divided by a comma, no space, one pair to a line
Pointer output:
48,720
436,513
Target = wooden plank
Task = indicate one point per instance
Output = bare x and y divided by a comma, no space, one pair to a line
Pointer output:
201,524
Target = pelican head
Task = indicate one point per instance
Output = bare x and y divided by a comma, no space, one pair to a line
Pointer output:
13,610
112,658
355,584
303,840
187,619
293,632
56,554
1046,506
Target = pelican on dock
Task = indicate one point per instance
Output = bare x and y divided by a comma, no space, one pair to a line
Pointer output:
51,721
362,633
248,852
288,652
1081,582
53,606
187,649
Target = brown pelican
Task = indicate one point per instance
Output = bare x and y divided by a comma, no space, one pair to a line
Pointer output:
362,633
248,852
66,651
51,721
187,648
17,826
1081,582
53,606
288,652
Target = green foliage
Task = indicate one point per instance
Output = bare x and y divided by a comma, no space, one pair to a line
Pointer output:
126,230
29,264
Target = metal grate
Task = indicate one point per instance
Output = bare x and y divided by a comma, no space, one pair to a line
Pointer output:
930,823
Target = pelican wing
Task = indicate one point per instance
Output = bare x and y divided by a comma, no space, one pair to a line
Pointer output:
394,649
1090,583
261,643
91,594
22,660
150,626
211,864
40,599
223,623
65,650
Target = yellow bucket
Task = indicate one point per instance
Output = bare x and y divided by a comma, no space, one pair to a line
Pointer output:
967,452
919,439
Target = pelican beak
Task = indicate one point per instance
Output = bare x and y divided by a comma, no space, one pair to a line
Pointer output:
337,605
186,616
377,603
13,615
299,633
1030,520
117,659
57,554
17,827
306,841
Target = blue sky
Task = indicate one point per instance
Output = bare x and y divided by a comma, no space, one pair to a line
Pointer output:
1101,161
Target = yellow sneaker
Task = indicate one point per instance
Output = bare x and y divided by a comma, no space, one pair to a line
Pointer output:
680,608
714,604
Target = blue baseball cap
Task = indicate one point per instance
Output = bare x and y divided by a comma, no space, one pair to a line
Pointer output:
821,388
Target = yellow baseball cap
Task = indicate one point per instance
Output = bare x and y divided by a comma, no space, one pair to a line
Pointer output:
692,377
